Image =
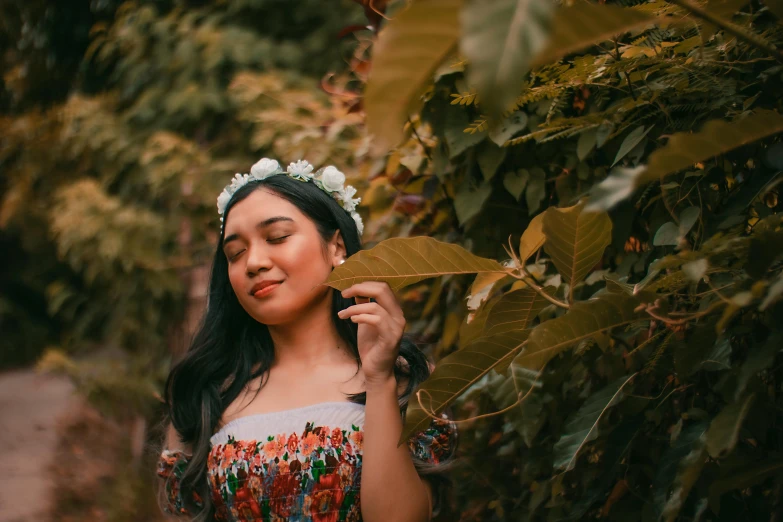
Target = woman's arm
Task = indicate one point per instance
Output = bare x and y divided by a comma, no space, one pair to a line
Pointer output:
391,489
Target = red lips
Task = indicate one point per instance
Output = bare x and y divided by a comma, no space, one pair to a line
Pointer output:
262,284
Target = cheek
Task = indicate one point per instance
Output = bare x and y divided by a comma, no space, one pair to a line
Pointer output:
236,278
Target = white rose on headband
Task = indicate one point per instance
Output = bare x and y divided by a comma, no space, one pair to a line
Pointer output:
222,201
332,179
263,168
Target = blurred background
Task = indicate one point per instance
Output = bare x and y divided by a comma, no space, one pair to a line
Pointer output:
120,122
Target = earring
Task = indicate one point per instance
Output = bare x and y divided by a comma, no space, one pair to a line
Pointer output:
342,261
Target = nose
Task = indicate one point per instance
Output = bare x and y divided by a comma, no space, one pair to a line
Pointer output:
257,260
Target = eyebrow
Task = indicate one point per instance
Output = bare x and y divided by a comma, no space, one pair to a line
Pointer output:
261,224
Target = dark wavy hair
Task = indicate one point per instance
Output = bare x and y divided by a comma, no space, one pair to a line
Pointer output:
229,343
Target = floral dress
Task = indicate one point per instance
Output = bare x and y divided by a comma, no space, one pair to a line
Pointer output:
302,464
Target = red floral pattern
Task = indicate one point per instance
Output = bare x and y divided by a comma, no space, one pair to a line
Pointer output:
313,476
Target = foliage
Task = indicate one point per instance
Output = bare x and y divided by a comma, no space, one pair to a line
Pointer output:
646,144
118,131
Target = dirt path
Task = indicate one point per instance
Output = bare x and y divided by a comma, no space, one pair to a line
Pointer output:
29,407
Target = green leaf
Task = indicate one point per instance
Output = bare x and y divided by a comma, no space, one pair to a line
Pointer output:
511,125
582,427
688,218
724,429
532,238
679,469
631,141
618,186
668,234
536,190
515,182
404,261
468,203
470,331
584,320
586,143
409,49
499,38
515,310
489,157
702,351
715,137
583,24
457,139
455,373
576,240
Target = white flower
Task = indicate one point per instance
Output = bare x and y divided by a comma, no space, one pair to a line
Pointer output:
237,182
264,168
359,224
332,179
300,170
223,200
346,196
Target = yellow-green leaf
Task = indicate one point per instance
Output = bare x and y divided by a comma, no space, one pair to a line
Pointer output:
576,240
584,320
515,310
403,261
582,427
408,51
532,238
583,24
715,137
455,374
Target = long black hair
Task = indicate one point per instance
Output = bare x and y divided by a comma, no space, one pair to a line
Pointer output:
229,344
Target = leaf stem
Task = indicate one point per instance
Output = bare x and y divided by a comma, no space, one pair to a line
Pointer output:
528,280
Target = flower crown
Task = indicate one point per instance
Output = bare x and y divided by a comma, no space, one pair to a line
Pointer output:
328,179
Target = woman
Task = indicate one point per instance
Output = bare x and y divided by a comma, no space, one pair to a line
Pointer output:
260,425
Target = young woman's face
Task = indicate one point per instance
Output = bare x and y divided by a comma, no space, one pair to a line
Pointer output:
269,240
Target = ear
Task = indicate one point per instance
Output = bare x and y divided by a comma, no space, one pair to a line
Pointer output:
337,251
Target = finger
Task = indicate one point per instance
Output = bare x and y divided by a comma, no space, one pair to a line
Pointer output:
366,319
377,290
367,308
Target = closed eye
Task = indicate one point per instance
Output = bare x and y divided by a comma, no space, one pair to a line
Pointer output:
277,239
233,257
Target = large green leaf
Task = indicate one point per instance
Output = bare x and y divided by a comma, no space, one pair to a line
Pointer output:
456,373
715,137
576,240
532,238
582,427
408,51
515,310
584,320
404,261
583,24
499,38
725,427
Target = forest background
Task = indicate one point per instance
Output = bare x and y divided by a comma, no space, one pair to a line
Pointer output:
579,201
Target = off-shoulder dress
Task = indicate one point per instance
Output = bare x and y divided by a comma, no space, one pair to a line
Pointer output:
301,464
